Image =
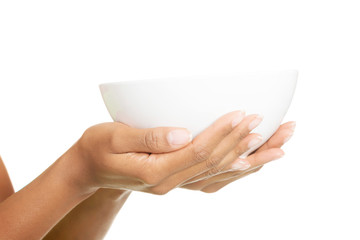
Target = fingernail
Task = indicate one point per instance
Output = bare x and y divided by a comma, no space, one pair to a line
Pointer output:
288,137
179,137
291,132
292,125
255,122
238,118
278,156
240,164
255,141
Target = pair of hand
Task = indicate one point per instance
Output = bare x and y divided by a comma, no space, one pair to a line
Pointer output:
157,160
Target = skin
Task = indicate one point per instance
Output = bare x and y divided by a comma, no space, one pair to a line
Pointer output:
96,175
266,153
6,188
92,218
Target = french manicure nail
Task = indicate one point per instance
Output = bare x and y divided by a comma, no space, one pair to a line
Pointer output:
238,118
179,137
255,122
280,155
292,125
240,164
288,137
255,141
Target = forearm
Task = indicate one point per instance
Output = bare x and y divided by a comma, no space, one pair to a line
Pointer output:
34,210
6,188
92,218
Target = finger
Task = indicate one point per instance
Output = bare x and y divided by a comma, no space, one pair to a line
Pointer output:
247,143
254,161
224,175
216,186
257,159
233,145
162,166
151,140
201,183
214,158
281,136
201,147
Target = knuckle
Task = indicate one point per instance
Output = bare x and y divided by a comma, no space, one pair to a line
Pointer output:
201,153
239,150
213,171
241,134
212,162
88,134
151,140
93,136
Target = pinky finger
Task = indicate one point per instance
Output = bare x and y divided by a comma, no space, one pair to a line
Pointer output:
260,158
282,135
257,159
214,187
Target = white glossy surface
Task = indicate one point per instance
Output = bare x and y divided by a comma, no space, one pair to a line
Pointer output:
195,102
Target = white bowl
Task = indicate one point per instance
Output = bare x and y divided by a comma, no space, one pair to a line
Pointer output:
195,102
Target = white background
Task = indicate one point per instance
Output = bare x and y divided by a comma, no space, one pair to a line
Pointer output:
53,55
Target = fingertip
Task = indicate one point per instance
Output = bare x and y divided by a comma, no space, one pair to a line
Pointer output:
277,153
290,125
288,137
239,116
281,153
256,121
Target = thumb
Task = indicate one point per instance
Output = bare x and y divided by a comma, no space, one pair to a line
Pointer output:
160,140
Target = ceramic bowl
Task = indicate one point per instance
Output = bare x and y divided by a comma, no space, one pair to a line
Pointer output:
196,102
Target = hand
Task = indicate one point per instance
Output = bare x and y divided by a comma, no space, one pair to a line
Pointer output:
114,155
253,163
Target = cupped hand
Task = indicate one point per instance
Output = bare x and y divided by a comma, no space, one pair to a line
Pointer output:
157,160
240,168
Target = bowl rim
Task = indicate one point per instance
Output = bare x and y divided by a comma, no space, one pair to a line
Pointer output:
195,77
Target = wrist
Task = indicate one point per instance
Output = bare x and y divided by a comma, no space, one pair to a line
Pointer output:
75,175
80,177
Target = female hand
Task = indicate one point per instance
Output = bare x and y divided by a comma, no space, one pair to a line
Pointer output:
253,163
114,155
